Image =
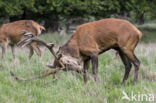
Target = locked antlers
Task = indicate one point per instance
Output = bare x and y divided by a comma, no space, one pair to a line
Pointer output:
31,38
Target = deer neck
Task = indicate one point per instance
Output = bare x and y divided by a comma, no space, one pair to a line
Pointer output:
71,49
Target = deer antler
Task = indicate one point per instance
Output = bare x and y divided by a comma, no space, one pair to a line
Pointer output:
28,36
31,38
26,41
54,71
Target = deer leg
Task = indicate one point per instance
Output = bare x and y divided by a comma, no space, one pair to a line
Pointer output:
54,76
13,54
135,62
4,47
85,70
94,60
127,64
38,51
36,48
13,51
31,52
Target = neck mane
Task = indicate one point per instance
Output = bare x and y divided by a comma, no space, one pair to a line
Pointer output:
71,48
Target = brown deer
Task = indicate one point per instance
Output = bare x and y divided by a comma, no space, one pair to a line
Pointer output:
12,33
92,39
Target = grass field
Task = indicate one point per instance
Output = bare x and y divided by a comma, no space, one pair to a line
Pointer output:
70,88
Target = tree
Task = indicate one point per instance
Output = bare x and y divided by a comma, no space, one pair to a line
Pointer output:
52,12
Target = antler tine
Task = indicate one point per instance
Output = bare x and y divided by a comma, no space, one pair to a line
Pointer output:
20,43
30,38
57,58
53,72
50,47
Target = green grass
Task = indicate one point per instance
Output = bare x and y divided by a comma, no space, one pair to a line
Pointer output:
70,88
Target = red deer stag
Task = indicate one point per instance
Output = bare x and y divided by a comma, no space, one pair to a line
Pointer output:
12,33
94,38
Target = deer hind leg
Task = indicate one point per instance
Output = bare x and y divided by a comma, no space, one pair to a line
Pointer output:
85,70
36,48
14,54
13,51
4,47
31,52
94,60
135,62
127,64
137,65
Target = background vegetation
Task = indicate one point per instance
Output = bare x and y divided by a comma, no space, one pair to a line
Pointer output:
55,14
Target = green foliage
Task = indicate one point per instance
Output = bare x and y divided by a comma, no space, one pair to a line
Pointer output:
45,9
140,8
152,10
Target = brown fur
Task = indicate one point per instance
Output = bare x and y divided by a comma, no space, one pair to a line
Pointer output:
11,33
94,38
